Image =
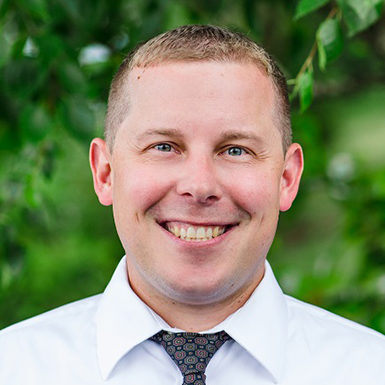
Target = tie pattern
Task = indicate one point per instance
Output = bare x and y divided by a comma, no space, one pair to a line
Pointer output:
191,352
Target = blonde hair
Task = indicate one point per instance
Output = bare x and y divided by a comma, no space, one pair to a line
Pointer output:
197,43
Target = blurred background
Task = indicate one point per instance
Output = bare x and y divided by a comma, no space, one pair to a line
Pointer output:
57,58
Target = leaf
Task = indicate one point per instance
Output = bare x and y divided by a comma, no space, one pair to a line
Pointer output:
330,42
360,14
306,6
305,87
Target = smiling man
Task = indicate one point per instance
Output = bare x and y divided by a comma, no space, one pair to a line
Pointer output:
210,175
197,164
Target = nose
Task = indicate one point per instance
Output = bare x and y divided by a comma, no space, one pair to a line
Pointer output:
198,180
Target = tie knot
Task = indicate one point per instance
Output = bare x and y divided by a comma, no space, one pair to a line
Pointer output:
191,352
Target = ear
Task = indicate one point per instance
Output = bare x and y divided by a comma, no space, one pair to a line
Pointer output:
100,161
291,176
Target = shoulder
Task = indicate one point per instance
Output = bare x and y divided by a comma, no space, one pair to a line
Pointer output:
322,321
63,316
53,335
334,342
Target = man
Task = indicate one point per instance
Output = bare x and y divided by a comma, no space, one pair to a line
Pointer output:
197,164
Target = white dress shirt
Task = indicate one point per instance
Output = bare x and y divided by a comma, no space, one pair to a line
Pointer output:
104,340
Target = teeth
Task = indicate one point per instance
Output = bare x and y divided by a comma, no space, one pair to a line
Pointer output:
191,232
200,233
197,234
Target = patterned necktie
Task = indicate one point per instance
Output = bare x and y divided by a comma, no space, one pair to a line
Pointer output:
191,352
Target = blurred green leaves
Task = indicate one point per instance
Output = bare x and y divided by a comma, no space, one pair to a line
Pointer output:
5,49
35,123
79,119
37,9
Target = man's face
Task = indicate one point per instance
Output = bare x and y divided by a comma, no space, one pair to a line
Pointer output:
198,176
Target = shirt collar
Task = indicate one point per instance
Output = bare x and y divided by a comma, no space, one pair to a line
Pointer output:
261,325
124,321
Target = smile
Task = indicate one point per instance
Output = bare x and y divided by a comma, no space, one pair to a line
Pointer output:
189,232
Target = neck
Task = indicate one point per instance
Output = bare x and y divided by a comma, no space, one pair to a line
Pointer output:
195,317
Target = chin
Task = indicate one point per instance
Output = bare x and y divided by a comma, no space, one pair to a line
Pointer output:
198,293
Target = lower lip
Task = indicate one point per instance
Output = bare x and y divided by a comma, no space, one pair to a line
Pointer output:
199,244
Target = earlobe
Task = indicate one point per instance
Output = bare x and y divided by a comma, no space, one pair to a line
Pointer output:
100,162
291,176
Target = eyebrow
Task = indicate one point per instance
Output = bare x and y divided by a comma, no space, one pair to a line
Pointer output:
227,135
160,132
238,135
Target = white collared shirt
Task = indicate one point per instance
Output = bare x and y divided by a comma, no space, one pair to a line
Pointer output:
104,340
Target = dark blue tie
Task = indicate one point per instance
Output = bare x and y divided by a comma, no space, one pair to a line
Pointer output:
191,352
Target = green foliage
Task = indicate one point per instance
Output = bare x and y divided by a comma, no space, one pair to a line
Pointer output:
79,118
330,42
360,14
57,59
34,123
305,86
306,6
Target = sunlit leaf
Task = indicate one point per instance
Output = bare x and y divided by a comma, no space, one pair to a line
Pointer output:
330,41
306,6
30,49
305,89
94,54
360,14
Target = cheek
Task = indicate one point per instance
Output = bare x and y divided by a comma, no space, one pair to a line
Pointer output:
138,188
256,192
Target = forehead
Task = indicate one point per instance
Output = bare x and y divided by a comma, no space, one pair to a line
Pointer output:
200,94
200,79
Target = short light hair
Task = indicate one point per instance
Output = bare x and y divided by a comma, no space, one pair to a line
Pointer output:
194,43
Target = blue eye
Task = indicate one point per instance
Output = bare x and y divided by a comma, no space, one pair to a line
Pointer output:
235,151
165,147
